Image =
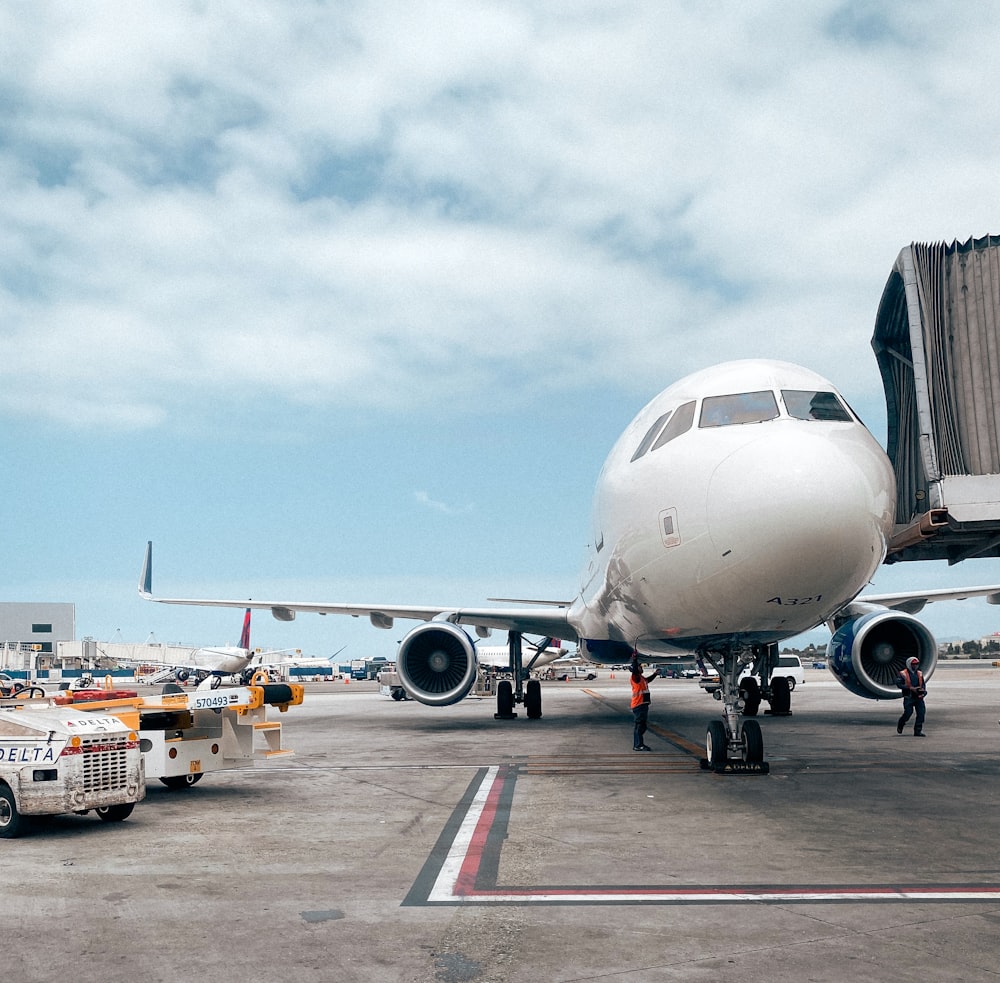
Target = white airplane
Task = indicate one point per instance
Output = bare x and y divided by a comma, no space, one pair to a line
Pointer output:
215,662
295,660
534,655
744,504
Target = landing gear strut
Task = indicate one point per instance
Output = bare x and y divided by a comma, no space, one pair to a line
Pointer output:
524,689
735,743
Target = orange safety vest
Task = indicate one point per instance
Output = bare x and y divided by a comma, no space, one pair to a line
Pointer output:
906,679
640,691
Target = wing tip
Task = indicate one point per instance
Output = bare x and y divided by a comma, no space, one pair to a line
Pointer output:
146,574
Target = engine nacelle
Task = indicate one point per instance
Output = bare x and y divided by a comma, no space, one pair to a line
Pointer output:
436,663
867,654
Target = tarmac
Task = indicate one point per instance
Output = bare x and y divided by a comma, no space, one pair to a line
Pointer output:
439,845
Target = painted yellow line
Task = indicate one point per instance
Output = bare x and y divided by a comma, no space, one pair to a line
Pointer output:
682,742
668,735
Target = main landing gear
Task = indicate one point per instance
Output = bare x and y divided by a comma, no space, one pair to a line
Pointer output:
524,689
735,743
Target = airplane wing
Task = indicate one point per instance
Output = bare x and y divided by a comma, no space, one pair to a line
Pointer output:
549,619
913,601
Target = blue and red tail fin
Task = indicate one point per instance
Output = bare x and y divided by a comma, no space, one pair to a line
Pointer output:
245,637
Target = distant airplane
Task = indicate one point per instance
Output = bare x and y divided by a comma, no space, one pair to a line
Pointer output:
533,654
745,504
215,662
264,659
298,661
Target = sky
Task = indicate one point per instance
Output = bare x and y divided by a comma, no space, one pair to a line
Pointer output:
348,301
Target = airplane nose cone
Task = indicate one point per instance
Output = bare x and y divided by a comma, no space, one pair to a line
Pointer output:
803,512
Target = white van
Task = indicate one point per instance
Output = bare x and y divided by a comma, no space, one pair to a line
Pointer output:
790,666
566,673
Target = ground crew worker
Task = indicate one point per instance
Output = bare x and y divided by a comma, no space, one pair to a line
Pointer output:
640,703
911,682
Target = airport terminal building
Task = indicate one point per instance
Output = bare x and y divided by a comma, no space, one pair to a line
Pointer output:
32,630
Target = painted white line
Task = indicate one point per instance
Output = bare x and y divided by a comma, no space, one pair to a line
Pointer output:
447,879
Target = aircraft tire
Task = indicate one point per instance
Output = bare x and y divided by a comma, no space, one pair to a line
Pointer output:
753,742
505,698
716,745
751,696
781,696
533,699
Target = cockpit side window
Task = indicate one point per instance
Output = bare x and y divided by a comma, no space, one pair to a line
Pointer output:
679,423
650,436
808,404
740,408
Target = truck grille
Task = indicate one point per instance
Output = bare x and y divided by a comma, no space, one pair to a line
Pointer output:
105,763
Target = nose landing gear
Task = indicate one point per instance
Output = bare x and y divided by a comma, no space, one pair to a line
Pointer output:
735,743
742,754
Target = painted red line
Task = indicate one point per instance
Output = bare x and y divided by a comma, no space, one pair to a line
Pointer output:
749,893
465,883
479,857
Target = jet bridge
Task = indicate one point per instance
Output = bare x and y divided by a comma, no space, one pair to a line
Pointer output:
937,342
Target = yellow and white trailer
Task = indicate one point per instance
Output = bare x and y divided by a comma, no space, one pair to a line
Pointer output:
186,734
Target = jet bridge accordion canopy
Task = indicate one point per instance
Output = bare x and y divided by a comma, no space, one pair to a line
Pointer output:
938,348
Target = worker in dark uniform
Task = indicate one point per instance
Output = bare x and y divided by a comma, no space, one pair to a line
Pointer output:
640,703
911,682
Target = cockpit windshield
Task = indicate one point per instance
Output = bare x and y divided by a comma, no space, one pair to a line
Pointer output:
739,408
679,423
808,404
650,437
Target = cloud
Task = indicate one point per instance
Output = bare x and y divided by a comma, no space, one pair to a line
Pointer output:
443,507
440,206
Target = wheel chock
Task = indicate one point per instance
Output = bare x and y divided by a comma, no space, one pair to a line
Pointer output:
736,766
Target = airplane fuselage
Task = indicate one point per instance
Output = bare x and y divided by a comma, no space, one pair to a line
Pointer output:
223,660
498,656
745,503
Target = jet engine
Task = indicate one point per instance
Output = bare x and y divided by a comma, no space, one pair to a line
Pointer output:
437,664
867,653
